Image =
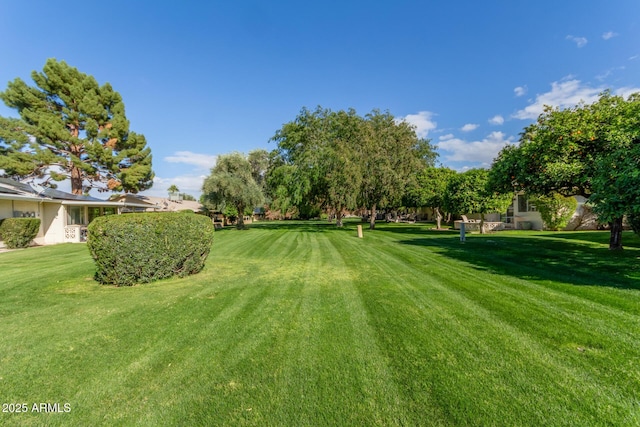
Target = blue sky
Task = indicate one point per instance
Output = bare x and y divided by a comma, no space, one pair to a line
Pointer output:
200,79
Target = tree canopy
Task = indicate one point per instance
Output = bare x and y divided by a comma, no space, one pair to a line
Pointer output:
469,192
428,189
392,157
19,157
585,150
231,183
72,128
340,161
315,161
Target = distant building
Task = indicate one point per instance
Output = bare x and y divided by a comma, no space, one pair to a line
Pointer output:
162,204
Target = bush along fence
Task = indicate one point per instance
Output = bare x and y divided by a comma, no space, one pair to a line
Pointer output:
141,248
18,232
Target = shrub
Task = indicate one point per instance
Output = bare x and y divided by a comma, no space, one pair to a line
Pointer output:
556,210
18,232
140,248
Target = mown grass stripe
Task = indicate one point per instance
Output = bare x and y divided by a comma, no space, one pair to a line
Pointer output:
305,324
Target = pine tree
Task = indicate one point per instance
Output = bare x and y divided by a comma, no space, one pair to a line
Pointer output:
75,129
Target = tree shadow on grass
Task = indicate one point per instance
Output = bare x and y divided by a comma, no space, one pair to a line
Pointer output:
578,258
311,226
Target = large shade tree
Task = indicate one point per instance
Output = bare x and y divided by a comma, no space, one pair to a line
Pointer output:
259,161
317,161
340,161
429,189
391,157
586,150
231,183
73,128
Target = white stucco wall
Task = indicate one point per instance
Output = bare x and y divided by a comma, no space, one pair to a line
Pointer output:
532,217
6,211
53,223
582,219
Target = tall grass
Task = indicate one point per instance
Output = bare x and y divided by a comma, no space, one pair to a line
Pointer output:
305,324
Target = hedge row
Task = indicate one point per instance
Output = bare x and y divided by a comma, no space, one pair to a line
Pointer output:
18,232
140,248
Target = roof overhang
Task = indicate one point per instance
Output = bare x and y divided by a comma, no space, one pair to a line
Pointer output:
5,196
96,203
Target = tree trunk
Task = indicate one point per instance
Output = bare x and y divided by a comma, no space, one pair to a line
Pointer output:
438,218
615,240
240,209
482,230
339,218
76,181
372,218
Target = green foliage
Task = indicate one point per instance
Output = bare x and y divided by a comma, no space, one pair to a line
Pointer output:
429,187
339,160
19,157
231,184
259,161
70,121
634,222
316,164
18,232
573,151
616,184
140,248
469,192
556,210
309,212
392,156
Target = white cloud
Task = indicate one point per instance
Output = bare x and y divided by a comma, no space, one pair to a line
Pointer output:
469,127
608,73
482,152
520,90
496,120
609,35
626,91
204,161
567,93
579,41
422,121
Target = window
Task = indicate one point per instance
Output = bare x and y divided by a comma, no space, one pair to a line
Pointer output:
524,205
508,217
75,215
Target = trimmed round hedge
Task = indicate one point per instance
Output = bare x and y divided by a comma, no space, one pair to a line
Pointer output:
143,247
19,232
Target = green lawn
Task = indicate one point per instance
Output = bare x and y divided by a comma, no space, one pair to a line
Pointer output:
298,324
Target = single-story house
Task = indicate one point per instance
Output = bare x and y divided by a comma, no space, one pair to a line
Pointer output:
522,214
63,216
